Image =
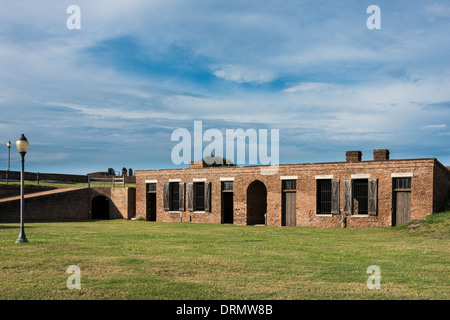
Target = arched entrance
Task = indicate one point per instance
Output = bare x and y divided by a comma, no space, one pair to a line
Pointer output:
256,203
100,207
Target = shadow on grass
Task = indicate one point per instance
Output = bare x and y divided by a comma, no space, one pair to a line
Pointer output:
9,227
29,223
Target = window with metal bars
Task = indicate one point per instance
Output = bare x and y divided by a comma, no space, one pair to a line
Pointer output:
402,183
151,187
227,185
289,185
360,196
175,195
199,192
323,196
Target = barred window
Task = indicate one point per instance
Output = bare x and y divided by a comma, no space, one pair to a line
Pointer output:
199,196
175,195
361,196
199,188
288,185
151,187
402,183
324,196
227,185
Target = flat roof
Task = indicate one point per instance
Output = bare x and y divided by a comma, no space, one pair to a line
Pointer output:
302,164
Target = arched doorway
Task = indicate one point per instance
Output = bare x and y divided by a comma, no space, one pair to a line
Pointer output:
256,203
100,207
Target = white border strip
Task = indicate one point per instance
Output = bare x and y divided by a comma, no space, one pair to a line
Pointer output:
360,176
151,181
227,179
199,180
329,176
289,177
174,180
402,175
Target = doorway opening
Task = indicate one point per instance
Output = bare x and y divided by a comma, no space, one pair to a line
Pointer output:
401,201
100,208
227,201
256,203
288,203
151,201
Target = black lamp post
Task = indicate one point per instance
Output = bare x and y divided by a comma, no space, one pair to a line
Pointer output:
9,154
22,146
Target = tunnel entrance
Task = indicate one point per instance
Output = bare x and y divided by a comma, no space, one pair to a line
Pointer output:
100,208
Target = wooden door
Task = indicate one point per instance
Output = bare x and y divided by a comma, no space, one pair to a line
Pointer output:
402,207
288,213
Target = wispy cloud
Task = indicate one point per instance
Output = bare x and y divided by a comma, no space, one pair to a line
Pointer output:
244,74
125,113
438,10
309,86
434,126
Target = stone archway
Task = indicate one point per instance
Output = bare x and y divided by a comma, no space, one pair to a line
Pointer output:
256,203
100,208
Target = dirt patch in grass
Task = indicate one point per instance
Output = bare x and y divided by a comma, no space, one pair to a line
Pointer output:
416,224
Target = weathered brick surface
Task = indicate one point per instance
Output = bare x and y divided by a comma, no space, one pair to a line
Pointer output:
422,194
9,190
380,154
123,202
441,188
69,205
353,156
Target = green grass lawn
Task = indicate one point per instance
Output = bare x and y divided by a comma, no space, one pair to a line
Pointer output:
122,259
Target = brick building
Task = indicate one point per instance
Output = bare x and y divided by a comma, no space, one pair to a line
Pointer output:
354,194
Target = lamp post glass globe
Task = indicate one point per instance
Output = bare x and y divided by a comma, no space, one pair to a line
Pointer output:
22,144
8,144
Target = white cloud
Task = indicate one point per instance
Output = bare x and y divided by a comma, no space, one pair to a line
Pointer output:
438,10
123,113
244,74
434,126
309,86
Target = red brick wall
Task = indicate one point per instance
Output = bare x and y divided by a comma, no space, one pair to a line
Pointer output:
122,200
9,190
70,205
441,187
421,203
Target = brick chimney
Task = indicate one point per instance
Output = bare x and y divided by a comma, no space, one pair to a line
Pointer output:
197,164
380,154
353,156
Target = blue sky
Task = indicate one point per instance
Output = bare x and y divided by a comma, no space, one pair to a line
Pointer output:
112,93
